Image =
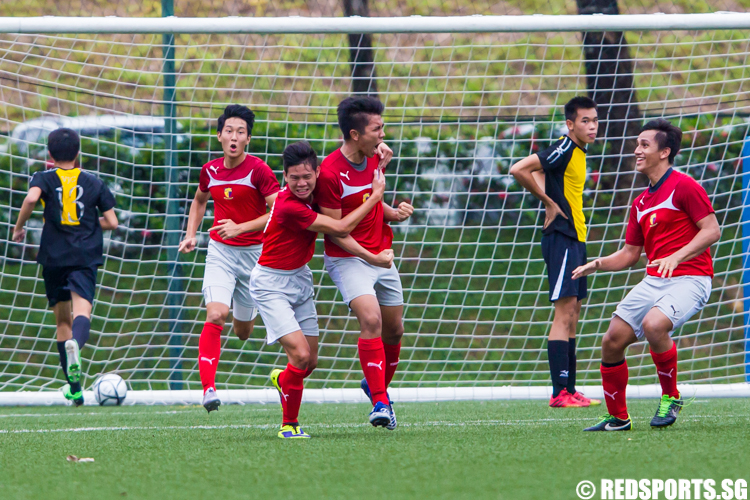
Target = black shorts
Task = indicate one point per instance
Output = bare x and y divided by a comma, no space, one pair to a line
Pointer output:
60,281
562,254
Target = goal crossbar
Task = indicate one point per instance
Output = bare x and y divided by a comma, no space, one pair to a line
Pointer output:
343,25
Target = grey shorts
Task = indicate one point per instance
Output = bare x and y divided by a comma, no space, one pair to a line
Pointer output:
678,298
285,301
226,278
354,277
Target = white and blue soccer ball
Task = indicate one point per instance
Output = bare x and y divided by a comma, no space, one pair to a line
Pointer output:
110,390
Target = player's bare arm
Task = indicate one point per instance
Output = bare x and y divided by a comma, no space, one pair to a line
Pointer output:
108,220
625,257
32,197
399,214
524,171
349,244
385,154
197,211
708,234
229,229
342,227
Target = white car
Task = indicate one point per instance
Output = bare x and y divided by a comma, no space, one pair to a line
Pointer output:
134,130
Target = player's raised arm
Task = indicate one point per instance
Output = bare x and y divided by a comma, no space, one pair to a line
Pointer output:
197,211
32,197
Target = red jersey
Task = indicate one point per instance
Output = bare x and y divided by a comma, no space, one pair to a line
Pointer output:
341,186
663,220
239,194
288,244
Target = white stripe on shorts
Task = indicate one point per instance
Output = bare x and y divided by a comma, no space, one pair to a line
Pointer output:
559,282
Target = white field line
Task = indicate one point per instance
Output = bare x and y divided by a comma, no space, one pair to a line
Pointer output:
123,413
338,426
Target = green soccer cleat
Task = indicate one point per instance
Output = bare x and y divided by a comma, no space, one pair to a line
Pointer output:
275,381
667,412
76,397
74,361
609,423
292,431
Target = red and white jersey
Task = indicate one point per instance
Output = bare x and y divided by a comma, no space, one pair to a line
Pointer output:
239,194
341,186
664,221
288,244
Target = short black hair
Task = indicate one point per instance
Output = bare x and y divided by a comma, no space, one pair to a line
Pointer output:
578,102
63,144
237,111
667,136
298,153
354,113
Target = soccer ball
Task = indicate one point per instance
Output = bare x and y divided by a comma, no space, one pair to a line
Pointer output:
110,390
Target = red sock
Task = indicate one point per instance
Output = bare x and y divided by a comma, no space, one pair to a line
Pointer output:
209,351
308,372
372,359
666,368
615,381
291,383
391,361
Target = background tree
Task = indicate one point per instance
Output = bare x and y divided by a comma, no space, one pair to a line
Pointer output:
609,78
364,76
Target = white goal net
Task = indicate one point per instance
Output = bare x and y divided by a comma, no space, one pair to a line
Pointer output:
460,109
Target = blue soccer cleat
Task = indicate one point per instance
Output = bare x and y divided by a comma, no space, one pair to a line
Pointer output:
366,389
380,416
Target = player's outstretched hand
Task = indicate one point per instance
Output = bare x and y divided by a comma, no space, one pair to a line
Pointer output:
586,269
18,236
378,184
227,229
553,210
385,153
404,211
666,266
383,259
187,245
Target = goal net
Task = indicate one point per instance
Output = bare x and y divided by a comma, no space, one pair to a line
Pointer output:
461,108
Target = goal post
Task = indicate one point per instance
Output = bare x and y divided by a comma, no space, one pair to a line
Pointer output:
465,98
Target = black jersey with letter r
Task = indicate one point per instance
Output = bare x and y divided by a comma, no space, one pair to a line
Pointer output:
564,164
73,201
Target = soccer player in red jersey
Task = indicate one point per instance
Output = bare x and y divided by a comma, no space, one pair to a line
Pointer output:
281,284
675,223
241,186
372,291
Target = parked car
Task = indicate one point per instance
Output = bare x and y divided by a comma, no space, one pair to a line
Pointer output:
136,131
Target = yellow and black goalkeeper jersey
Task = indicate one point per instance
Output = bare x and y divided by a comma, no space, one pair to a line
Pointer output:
564,164
73,200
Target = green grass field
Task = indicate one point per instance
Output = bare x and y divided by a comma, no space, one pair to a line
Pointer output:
498,449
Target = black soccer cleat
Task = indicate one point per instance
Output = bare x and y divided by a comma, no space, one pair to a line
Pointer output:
667,412
609,423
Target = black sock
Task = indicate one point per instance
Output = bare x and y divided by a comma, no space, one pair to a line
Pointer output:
557,352
74,387
572,365
612,365
81,330
63,358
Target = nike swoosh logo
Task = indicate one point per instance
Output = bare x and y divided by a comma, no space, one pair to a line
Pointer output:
610,427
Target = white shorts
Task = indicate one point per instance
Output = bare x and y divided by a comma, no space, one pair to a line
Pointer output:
285,301
354,277
227,277
678,298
